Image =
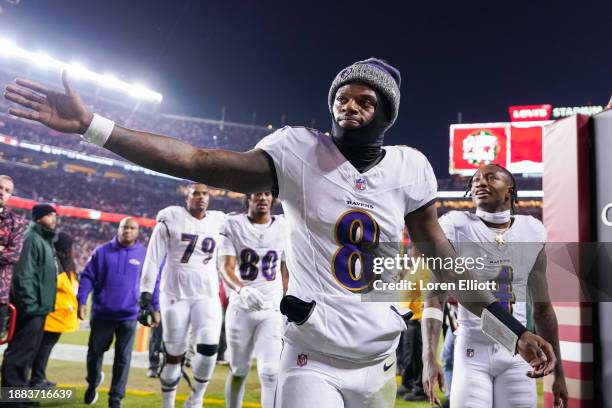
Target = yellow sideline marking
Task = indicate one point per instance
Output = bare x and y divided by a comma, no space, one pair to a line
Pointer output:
179,397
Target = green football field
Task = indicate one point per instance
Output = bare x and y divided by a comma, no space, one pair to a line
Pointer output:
144,392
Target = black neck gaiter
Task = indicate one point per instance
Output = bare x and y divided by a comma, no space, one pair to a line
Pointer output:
362,146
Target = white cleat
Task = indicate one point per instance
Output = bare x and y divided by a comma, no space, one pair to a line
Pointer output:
193,403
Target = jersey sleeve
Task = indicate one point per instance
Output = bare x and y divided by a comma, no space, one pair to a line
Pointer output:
275,145
448,226
425,190
226,247
156,252
540,231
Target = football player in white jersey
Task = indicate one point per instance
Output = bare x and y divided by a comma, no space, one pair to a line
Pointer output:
187,237
513,249
342,195
251,253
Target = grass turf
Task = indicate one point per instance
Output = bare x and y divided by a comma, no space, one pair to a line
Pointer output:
144,392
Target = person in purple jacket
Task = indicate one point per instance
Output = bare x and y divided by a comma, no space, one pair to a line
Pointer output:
113,274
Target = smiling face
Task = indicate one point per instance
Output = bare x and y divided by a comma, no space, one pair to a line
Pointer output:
492,189
354,105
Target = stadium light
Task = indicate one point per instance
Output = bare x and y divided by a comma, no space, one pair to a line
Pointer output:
8,49
78,70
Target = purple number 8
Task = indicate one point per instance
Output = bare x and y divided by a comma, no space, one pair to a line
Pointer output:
357,234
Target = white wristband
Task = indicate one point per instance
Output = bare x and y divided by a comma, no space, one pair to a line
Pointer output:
99,130
432,313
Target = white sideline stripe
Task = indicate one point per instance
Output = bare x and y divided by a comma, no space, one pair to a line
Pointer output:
578,352
78,354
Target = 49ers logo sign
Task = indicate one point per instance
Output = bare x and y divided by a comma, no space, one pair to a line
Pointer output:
473,145
480,148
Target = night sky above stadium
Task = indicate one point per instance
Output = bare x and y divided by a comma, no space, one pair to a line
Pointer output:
278,60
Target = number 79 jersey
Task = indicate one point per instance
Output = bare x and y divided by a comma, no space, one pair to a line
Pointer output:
334,214
259,250
189,246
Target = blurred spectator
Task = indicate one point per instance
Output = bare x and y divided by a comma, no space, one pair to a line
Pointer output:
113,273
412,345
63,319
33,294
12,228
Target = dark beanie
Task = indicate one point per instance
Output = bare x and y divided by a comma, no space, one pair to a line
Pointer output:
40,210
63,243
378,74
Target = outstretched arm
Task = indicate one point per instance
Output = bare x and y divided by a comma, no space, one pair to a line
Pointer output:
65,112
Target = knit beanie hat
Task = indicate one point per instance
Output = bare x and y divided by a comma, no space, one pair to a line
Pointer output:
40,210
376,73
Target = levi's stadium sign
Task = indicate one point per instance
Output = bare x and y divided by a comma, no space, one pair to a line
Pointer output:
525,113
529,112
516,145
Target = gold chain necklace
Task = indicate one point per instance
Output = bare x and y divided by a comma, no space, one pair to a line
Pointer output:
499,234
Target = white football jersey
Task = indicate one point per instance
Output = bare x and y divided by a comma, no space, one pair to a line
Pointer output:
333,210
189,246
508,264
259,250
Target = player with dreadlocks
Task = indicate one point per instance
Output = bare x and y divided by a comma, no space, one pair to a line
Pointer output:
513,249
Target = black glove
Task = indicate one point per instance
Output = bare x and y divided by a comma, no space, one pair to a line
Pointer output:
407,316
296,309
146,312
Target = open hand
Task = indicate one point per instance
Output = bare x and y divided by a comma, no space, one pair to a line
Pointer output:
432,374
64,112
559,390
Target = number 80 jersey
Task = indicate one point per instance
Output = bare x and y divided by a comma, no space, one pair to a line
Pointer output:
259,250
189,246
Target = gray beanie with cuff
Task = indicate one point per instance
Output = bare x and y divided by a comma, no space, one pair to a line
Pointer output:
376,73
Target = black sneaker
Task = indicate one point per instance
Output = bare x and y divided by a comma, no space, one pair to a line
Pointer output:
91,394
114,404
44,384
403,390
415,396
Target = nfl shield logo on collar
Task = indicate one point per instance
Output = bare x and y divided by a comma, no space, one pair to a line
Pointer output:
302,360
361,184
469,353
